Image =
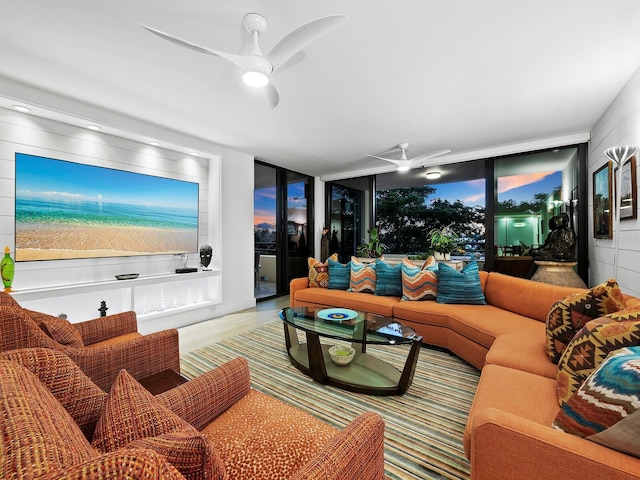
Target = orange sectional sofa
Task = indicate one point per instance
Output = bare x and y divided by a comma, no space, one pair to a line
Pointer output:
508,433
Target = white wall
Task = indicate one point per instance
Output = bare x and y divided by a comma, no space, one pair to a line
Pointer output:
619,125
225,181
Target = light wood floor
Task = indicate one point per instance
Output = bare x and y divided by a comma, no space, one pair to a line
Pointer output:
211,331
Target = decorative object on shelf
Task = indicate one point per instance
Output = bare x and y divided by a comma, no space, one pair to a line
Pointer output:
7,269
206,253
103,308
443,241
619,155
342,354
602,212
127,276
161,305
373,248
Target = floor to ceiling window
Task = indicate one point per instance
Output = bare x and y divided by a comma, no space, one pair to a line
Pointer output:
531,189
282,228
409,205
499,207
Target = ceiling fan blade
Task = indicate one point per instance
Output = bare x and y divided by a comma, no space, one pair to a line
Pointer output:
303,36
239,60
397,162
272,94
415,161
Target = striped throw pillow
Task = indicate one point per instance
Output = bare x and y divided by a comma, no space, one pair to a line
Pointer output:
419,283
363,276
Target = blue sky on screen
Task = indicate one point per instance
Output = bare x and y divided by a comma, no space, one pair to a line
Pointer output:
60,180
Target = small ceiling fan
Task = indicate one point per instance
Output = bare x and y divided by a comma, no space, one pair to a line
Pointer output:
405,163
256,68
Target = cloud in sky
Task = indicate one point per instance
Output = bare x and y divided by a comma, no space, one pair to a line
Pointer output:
515,181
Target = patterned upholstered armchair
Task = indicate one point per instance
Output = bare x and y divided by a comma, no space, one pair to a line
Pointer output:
212,427
101,347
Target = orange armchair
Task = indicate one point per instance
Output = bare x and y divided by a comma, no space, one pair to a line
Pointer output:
101,347
250,434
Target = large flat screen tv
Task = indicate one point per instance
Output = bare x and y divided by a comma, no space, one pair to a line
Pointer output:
67,210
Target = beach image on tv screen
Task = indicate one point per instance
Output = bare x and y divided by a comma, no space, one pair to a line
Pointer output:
68,210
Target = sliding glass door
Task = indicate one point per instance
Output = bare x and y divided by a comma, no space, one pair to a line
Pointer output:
282,228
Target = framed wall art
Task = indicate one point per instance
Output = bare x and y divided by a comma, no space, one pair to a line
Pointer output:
629,191
602,214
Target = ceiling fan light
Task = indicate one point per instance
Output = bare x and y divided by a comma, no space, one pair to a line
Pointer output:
403,168
433,175
255,79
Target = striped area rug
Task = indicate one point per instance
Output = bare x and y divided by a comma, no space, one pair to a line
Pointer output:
424,427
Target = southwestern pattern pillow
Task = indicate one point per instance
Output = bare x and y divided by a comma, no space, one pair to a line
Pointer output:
363,276
339,274
588,349
388,279
420,283
571,314
605,408
319,272
460,287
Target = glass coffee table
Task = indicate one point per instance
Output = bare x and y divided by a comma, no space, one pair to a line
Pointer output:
366,373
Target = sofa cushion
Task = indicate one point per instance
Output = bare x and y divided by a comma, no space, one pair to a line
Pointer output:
131,414
460,287
388,278
77,394
606,407
533,299
318,273
363,302
589,347
419,283
363,276
531,351
263,438
59,329
339,274
38,434
571,313
530,397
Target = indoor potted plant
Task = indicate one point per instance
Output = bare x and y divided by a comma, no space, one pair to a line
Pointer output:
373,248
443,241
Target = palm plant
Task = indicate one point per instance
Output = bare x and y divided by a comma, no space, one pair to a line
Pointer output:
373,248
443,240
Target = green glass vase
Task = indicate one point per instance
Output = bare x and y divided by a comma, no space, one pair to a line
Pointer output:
7,269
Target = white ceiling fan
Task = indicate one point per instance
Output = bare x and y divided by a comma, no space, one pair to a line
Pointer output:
256,68
405,163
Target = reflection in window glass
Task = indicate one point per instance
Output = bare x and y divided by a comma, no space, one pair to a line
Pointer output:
404,216
526,203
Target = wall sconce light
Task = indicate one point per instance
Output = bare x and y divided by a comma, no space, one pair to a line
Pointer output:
619,155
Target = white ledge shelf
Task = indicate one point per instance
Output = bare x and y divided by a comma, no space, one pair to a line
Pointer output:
79,288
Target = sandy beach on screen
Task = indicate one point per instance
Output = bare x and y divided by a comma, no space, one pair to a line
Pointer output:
40,242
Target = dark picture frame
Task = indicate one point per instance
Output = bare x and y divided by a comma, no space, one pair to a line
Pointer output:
628,191
602,212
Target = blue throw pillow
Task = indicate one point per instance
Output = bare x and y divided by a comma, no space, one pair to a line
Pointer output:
388,279
339,274
460,287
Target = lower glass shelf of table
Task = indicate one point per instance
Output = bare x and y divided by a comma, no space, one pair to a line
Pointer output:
366,373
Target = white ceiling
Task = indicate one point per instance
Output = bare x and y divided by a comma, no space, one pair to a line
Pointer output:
464,75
